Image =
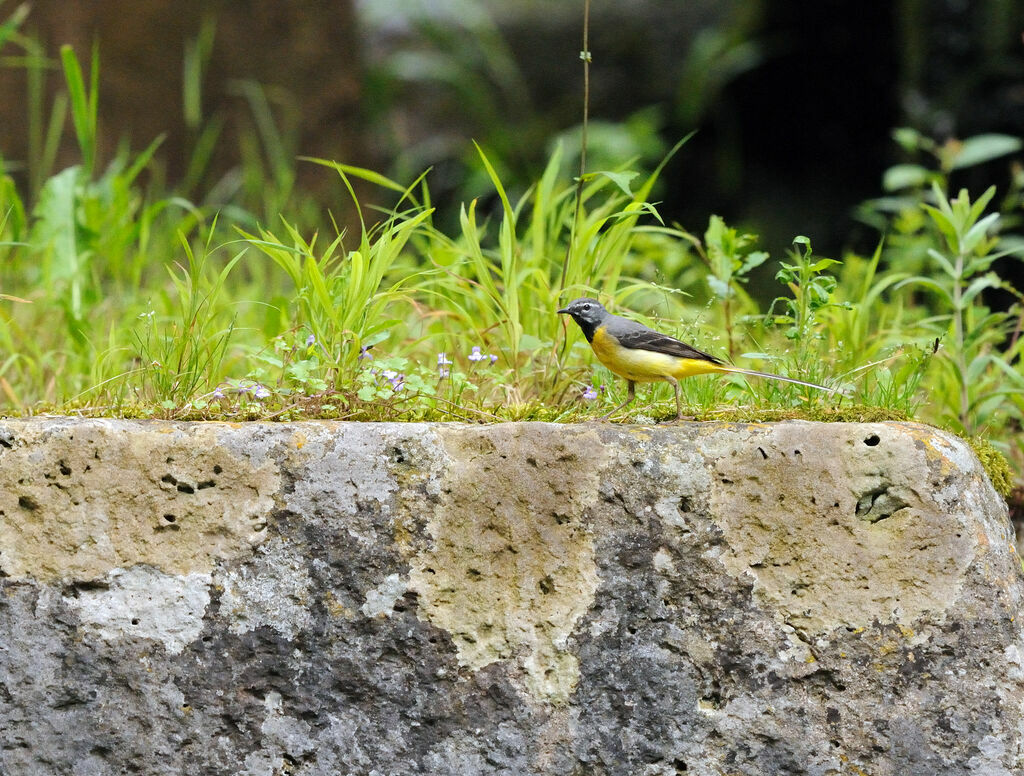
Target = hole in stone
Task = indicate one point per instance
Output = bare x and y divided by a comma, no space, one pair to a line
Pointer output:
169,479
684,504
531,460
184,487
64,468
764,455
872,440
397,455
474,574
169,459
170,518
135,620
205,484
547,585
679,765
27,502
217,469
878,504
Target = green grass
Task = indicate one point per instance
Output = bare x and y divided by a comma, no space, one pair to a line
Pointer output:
123,298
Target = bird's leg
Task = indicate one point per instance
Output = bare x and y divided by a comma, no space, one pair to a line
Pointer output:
679,406
630,395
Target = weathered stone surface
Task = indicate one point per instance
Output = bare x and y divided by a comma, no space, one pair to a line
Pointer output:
793,598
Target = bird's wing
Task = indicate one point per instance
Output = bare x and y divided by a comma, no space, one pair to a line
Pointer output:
631,334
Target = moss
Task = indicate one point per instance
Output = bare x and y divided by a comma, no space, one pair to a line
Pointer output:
995,465
851,414
340,407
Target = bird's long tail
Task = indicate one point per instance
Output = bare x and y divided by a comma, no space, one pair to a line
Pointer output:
770,376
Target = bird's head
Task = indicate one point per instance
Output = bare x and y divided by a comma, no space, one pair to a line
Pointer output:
587,312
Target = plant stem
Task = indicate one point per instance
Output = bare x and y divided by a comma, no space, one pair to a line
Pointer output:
585,56
961,352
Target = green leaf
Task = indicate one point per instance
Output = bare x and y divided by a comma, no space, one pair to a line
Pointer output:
822,264
905,176
8,28
945,264
620,179
983,148
84,102
753,259
357,172
991,280
943,220
55,228
528,342
909,139
927,283
977,233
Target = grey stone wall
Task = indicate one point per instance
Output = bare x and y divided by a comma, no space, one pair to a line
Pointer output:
330,598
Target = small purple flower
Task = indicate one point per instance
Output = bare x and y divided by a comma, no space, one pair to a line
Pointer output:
310,340
364,352
590,394
260,391
395,379
218,392
443,362
494,359
476,355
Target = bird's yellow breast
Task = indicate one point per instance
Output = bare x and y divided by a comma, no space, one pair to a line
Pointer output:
644,366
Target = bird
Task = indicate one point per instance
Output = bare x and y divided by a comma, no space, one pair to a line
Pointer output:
639,354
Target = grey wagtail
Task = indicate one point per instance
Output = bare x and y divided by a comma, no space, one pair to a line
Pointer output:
641,355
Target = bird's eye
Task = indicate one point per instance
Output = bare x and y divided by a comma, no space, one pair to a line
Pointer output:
585,308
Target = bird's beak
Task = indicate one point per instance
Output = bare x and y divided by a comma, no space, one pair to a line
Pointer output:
563,310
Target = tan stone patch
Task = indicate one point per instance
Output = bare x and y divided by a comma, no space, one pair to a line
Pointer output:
79,500
511,567
841,529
